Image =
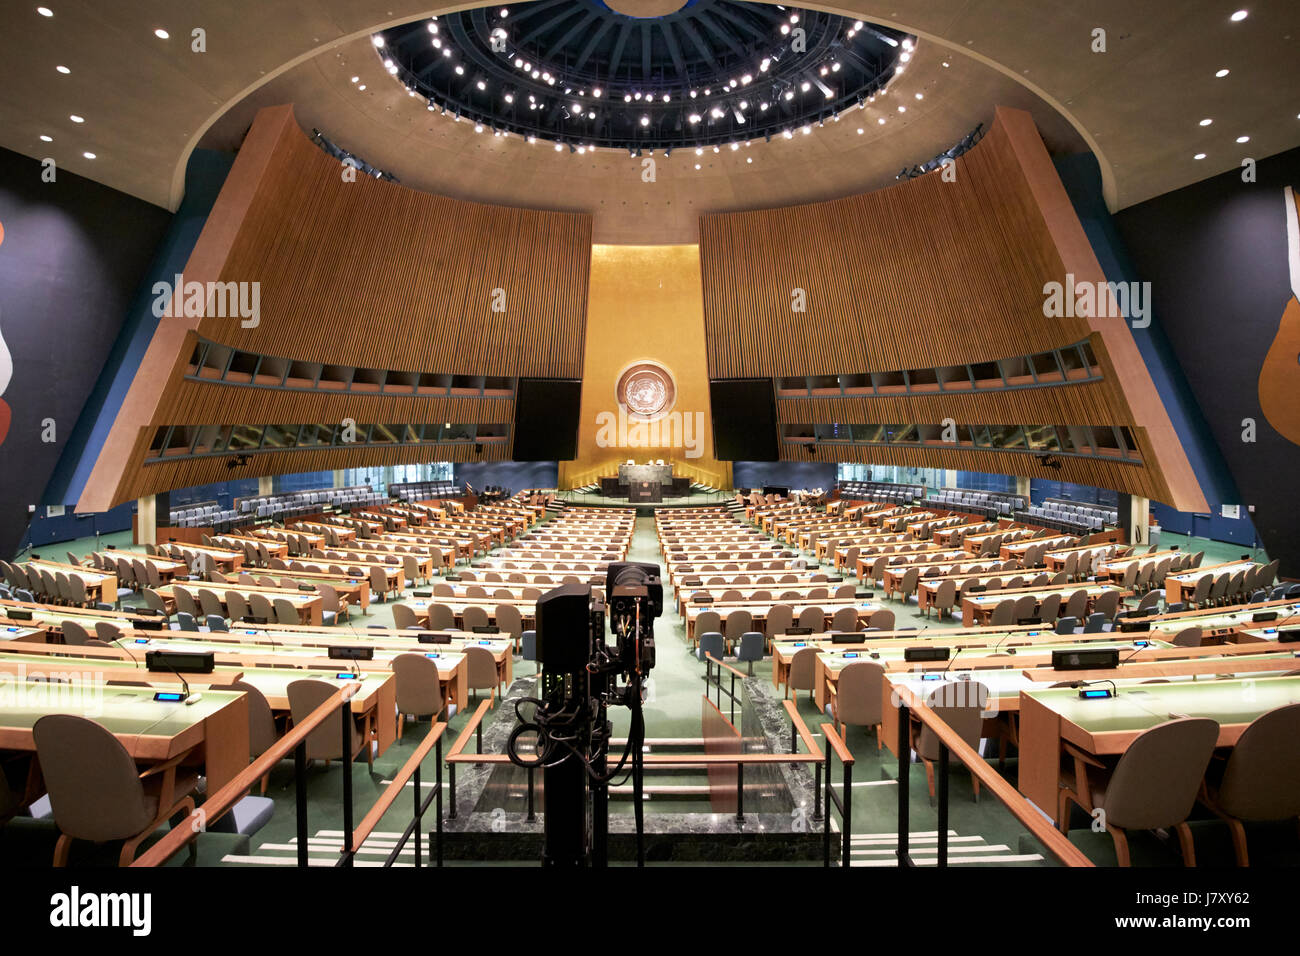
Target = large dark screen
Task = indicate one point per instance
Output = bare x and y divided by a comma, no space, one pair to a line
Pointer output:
744,419
546,419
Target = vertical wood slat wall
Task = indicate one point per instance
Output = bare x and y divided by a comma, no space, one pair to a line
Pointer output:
920,275
375,275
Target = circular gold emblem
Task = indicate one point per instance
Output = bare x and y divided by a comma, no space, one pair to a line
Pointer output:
646,390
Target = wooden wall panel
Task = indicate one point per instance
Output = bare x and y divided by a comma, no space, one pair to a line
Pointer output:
363,273
925,274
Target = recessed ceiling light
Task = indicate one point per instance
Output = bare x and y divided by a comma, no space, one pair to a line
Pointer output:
361,87
355,78
1243,139
1221,74
45,11
1206,122
920,96
76,119
860,130
377,40
89,155
46,139
1238,16
161,34
881,121
505,11
1199,156
749,159
697,165
63,69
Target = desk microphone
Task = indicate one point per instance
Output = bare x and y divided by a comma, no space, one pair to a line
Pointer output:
122,647
955,652
185,685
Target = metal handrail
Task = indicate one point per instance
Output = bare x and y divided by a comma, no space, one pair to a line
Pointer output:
841,801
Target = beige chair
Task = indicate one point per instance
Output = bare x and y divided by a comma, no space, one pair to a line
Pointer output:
1076,605
845,619
481,669
404,619
802,671
441,618
510,622
780,618
1049,609
882,620
210,603
74,633
1004,614
945,597
1260,780
185,601
813,617
474,615
707,622
738,622
959,705
262,609
443,589
411,568
95,790
323,742
153,600
1188,637
857,698
285,612
1153,785
418,689
331,603
379,581
1026,606
108,632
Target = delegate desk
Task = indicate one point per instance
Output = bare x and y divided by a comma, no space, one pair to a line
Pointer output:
1106,727
979,608
1179,587
1016,658
101,586
758,612
308,604
212,731
1004,690
1114,568
781,593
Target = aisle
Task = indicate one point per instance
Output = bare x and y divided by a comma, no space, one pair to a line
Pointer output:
674,707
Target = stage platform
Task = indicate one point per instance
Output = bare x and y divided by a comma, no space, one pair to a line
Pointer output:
694,500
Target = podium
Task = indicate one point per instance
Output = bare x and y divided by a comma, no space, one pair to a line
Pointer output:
645,491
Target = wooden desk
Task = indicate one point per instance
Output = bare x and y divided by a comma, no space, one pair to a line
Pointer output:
1106,727
308,604
1179,587
978,609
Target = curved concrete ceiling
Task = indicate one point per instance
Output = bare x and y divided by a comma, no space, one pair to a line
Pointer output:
148,101
392,131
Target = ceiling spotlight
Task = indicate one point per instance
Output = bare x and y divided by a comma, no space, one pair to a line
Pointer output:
920,96
666,97
707,92
789,94
591,115
1221,74
735,146
902,109
46,139
509,97
749,159
716,149
627,97
76,119
1243,139
1206,122
693,94
460,70
794,18
645,121
89,155
1199,156
532,139
478,127
446,51
433,27
596,92
835,67
807,130
881,121
361,87
762,67
161,34
559,147
694,118
697,165
1238,16
805,86
699,150
787,134
355,78
860,131
762,106
636,96
785,28
505,12
377,40
45,11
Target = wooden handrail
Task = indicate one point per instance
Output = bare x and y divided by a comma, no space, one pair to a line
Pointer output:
454,755
1038,825
804,733
725,666
837,744
218,802
395,786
